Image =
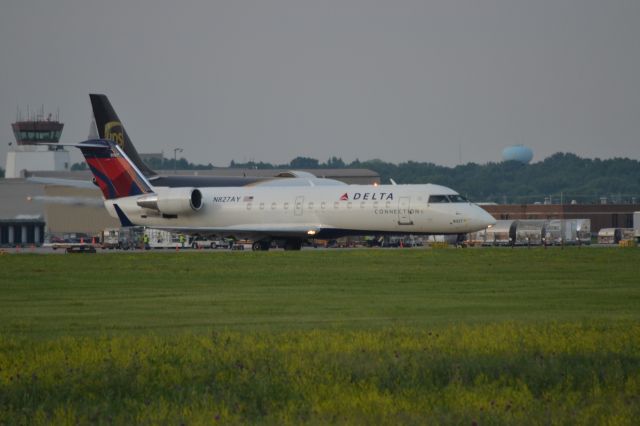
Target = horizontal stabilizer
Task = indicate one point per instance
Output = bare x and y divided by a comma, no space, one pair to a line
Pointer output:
86,144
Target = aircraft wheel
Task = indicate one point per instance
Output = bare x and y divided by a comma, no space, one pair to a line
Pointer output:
293,245
262,245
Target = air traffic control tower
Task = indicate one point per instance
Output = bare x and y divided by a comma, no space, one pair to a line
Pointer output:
28,153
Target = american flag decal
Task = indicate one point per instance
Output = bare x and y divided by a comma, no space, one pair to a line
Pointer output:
248,198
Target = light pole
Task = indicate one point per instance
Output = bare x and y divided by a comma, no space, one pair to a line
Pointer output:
175,159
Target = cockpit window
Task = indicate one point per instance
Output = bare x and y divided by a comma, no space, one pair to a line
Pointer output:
438,199
457,199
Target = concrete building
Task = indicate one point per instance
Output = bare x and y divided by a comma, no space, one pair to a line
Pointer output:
75,210
21,222
28,152
601,215
22,231
19,161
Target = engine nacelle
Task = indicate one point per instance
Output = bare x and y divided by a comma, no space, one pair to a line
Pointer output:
173,201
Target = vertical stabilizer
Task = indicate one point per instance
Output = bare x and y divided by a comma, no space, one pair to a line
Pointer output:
110,127
93,131
114,172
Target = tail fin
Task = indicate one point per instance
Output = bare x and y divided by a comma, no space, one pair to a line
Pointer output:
116,175
110,127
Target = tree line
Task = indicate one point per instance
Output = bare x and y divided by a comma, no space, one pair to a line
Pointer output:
560,177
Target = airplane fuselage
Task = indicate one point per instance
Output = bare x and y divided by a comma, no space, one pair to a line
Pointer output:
318,211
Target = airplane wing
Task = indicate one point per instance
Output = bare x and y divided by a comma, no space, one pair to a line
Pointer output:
75,183
252,230
74,201
300,181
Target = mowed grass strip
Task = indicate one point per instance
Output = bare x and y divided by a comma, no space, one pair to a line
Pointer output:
364,337
457,374
47,296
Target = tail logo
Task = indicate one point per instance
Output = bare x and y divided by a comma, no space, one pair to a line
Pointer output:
114,173
114,131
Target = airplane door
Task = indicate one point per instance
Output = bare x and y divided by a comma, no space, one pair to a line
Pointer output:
297,211
404,216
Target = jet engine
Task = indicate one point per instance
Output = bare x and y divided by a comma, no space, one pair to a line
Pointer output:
173,201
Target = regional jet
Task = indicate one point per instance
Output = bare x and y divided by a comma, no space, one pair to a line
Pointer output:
267,211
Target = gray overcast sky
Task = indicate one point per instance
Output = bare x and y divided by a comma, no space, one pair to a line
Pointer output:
271,80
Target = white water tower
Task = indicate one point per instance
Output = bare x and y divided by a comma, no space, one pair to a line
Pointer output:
519,153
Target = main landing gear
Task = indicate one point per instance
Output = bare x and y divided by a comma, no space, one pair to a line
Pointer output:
293,244
262,245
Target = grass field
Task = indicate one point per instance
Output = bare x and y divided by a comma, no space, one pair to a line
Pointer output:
494,336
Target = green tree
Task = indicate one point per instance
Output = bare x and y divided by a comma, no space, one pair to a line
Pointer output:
304,163
563,175
334,163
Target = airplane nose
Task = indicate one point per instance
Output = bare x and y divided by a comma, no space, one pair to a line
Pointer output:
486,219
482,219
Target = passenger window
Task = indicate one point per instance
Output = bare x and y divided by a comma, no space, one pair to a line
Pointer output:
310,206
336,204
286,206
438,199
362,204
273,206
323,205
261,206
248,206
349,204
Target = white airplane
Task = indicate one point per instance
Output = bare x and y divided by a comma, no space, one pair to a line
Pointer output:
292,210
